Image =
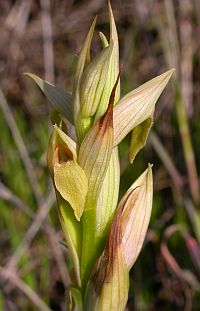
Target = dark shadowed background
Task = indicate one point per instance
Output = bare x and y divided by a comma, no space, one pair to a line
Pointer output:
44,37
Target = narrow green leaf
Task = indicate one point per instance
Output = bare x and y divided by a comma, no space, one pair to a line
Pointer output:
139,137
59,100
93,81
194,216
137,105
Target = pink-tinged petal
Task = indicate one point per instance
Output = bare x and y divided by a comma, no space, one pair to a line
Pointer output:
136,208
108,286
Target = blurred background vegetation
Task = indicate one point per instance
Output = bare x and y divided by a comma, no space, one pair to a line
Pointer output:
44,37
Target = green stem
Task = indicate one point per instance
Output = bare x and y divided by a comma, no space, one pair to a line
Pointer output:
187,147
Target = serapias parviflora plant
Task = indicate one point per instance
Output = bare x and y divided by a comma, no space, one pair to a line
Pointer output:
103,237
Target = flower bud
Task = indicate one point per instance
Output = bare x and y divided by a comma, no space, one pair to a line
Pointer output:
108,286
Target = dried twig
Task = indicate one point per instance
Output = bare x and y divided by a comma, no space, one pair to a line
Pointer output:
8,195
185,275
14,279
166,159
18,17
172,36
64,274
30,170
47,40
172,54
50,76
32,231
69,23
186,44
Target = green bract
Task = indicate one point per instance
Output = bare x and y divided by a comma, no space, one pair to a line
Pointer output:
104,238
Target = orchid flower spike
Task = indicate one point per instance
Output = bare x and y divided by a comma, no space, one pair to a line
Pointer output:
104,237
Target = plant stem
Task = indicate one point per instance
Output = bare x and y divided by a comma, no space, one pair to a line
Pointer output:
187,148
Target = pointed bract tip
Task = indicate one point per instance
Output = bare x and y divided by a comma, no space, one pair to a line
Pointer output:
93,23
110,7
92,27
95,19
169,73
